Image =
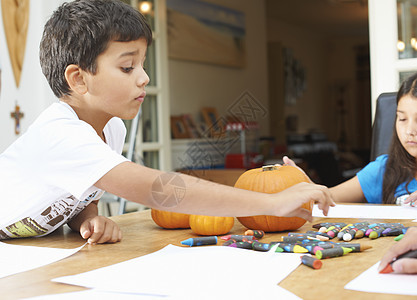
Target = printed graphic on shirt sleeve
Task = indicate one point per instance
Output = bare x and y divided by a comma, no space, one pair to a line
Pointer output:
26,228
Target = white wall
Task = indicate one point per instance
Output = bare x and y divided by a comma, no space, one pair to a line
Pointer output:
196,85
33,94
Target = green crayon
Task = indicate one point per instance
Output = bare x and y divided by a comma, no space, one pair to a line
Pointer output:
397,238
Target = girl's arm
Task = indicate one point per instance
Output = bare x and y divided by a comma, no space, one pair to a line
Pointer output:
187,194
348,191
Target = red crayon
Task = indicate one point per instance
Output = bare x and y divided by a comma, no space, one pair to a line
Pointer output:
409,254
311,262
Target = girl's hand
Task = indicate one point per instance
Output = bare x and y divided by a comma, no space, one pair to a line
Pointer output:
412,199
404,265
99,230
289,162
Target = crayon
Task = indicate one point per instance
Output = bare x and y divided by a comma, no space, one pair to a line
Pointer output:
295,239
256,233
409,254
343,230
261,246
295,249
312,248
332,252
228,243
328,224
356,247
372,229
200,241
392,231
226,237
351,233
376,233
314,235
360,233
333,232
311,262
399,237
242,238
279,249
320,234
322,229
244,245
280,244
315,249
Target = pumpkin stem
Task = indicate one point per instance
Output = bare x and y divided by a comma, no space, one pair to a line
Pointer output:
270,167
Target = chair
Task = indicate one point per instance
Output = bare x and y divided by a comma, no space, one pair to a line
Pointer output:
383,126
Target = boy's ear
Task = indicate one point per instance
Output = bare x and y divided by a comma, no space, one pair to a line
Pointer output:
75,79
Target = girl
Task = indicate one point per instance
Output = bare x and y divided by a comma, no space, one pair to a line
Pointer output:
391,178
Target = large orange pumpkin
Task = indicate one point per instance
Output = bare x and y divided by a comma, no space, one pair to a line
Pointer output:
208,225
170,220
272,179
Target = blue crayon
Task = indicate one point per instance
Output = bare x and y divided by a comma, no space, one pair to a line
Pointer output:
200,241
261,246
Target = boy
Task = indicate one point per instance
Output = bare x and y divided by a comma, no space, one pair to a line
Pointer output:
92,53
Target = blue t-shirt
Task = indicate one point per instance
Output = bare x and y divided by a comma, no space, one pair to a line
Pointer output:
371,178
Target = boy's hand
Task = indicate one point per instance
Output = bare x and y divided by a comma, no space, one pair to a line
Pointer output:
293,197
100,230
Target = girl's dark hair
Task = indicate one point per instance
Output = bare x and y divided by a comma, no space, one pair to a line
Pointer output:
401,166
79,31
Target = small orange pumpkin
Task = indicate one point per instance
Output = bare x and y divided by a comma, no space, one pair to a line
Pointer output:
272,179
208,225
170,220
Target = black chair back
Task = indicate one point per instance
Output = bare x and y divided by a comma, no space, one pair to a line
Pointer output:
383,127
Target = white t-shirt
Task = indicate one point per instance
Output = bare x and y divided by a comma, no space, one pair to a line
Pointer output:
47,176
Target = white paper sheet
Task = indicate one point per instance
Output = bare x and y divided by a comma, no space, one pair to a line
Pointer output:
103,295
373,282
209,272
97,294
15,259
368,212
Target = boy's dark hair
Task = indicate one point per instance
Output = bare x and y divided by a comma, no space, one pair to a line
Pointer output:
79,31
401,166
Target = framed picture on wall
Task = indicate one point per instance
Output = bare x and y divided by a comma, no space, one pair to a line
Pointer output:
178,128
214,123
191,126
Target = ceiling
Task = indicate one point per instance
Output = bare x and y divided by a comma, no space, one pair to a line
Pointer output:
330,17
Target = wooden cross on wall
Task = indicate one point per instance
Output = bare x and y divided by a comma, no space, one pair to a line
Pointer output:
17,115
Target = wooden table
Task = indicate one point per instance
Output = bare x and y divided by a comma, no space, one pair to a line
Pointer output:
142,236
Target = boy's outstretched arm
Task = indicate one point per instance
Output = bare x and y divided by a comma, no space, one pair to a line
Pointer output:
187,194
97,229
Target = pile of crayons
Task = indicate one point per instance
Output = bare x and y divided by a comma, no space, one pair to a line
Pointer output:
317,243
347,232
